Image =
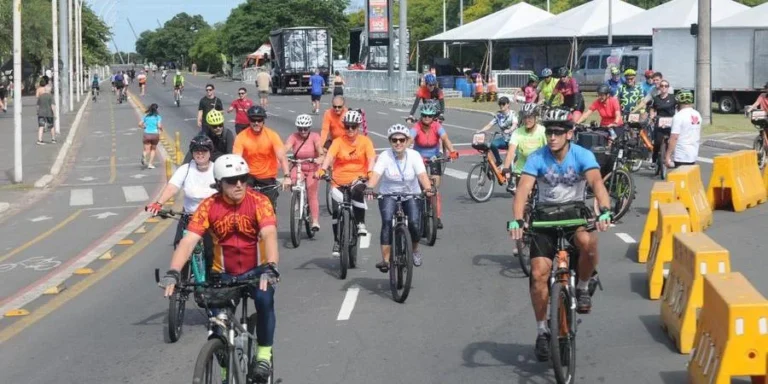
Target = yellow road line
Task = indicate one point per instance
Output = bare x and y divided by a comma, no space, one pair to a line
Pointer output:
42,236
74,291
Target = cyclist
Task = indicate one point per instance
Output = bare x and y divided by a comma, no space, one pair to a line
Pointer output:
142,82
164,75
546,87
223,139
208,103
522,143
648,85
428,91
657,78
562,170
352,157
119,84
569,89
400,170
762,103
95,89
607,107
615,82
629,94
333,126
506,120
529,92
306,144
152,123
235,246
686,132
178,84
195,178
262,148
662,105
425,136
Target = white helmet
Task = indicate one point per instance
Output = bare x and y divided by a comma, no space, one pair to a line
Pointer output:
398,129
229,166
352,117
556,115
304,121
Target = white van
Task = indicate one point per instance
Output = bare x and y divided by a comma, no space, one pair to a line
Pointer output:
595,63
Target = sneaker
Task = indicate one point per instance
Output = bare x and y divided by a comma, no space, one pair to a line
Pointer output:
260,371
383,266
53,141
361,230
583,301
336,252
151,166
511,188
417,259
541,350
40,142
439,223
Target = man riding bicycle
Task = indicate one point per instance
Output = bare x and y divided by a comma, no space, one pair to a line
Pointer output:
426,92
562,170
333,126
425,136
244,230
95,90
506,120
178,84
685,134
522,143
119,84
223,139
629,93
568,88
662,105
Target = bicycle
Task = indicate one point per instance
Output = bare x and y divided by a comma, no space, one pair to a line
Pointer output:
562,290
300,204
429,211
758,118
95,93
639,144
665,125
485,172
177,97
401,253
347,226
195,274
229,350
121,95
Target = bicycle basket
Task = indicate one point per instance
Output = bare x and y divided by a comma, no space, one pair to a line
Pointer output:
218,297
480,142
758,118
604,159
591,140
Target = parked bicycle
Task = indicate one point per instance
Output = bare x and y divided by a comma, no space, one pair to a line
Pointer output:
486,173
429,211
300,204
347,226
759,120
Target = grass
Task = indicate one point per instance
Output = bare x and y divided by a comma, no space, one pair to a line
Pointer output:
721,123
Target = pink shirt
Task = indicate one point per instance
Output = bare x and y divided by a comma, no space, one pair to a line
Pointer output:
307,151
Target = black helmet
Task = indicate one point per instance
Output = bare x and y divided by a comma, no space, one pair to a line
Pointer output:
201,142
503,100
603,89
562,72
257,112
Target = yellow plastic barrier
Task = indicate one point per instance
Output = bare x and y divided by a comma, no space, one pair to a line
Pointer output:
765,178
736,182
662,192
690,191
732,335
673,218
694,256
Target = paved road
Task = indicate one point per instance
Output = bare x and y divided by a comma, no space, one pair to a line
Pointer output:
468,318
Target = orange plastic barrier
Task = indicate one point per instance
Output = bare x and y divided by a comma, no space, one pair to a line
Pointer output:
662,192
690,191
673,218
736,182
732,335
694,256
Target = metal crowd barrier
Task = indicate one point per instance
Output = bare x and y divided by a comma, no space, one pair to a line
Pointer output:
511,79
249,74
375,86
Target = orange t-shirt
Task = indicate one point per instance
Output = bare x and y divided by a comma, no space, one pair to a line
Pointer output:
351,159
332,125
259,151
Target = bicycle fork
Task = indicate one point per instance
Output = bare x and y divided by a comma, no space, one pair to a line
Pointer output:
492,164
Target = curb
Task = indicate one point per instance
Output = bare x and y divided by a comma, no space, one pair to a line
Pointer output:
56,168
725,144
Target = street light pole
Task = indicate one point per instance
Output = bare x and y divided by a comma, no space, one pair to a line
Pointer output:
70,52
17,91
610,22
445,45
703,63
78,68
56,73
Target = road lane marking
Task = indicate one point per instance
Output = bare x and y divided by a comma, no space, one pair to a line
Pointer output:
382,113
135,193
455,173
346,306
626,238
78,197
705,160
113,156
365,241
377,134
42,235
460,127
291,111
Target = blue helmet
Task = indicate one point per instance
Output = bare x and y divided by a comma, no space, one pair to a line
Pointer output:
430,79
546,72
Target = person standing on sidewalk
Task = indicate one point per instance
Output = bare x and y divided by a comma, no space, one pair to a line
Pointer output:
263,82
152,124
241,105
45,114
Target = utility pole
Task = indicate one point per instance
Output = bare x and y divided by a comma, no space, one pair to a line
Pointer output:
65,41
610,21
17,172
461,12
78,50
703,63
445,45
390,44
56,72
402,49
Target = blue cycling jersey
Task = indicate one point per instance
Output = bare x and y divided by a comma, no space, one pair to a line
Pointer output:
560,183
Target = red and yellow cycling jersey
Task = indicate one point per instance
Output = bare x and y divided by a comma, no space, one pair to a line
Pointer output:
235,230
424,93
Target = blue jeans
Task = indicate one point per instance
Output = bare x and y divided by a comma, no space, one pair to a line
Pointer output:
412,209
265,306
498,143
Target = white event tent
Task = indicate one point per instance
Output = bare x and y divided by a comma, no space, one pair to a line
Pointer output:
505,21
756,17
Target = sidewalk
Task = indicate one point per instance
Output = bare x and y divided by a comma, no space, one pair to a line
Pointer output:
37,160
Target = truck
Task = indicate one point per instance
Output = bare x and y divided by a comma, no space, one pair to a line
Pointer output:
738,55
595,64
373,57
296,53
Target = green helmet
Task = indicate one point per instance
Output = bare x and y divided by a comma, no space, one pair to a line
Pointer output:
685,96
533,77
429,109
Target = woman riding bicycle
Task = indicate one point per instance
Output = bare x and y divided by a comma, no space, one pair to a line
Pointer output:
607,107
522,143
195,178
306,145
352,157
426,135
400,170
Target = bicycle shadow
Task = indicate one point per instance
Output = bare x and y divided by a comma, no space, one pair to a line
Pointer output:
193,317
375,286
521,357
328,265
510,266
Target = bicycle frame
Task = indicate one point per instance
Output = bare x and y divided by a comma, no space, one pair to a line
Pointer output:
488,159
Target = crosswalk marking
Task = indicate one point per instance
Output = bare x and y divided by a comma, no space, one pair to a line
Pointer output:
135,194
78,197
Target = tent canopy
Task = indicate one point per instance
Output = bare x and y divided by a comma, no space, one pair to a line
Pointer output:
750,18
507,20
674,14
575,22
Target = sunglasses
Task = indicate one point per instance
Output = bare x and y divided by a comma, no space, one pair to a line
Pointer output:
302,129
236,179
351,127
241,93
630,79
663,86
427,117
257,121
396,140
338,106
217,127
556,132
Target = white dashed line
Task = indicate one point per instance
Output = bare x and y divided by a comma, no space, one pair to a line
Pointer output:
291,111
377,134
455,173
626,238
348,304
78,197
460,127
381,113
365,241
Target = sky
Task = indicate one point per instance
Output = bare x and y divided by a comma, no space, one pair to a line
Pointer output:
145,14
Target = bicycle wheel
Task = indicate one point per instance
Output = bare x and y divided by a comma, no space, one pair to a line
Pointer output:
176,305
210,361
621,193
296,219
307,224
758,146
429,221
400,263
328,199
344,241
353,239
478,178
562,344
661,165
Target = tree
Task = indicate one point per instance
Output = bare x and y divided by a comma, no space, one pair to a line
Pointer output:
206,51
173,41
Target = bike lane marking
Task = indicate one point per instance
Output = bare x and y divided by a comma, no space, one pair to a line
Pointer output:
346,306
41,236
626,238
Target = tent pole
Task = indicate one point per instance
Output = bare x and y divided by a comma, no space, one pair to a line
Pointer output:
490,57
417,56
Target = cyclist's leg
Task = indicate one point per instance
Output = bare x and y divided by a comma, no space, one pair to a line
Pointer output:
264,301
412,209
765,138
542,252
358,204
313,185
658,136
387,207
497,143
436,172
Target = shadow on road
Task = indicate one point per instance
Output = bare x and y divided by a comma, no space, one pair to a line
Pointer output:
517,355
328,264
631,253
510,267
652,324
376,286
638,283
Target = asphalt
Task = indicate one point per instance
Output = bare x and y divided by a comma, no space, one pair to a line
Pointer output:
468,318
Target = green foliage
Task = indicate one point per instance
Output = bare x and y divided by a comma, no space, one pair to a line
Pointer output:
173,41
206,52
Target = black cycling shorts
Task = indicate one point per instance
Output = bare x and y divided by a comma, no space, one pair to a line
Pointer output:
544,241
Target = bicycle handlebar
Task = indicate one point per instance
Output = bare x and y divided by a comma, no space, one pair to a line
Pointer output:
399,195
302,161
171,214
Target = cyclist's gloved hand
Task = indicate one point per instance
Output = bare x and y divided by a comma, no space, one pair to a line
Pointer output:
605,218
270,276
154,208
515,229
453,155
169,281
431,191
320,174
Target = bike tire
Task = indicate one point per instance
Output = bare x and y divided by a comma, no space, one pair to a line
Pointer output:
295,219
344,241
562,343
482,178
328,199
430,222
758,146
619,206
401,263
661,169
353,240
176,307
207,370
